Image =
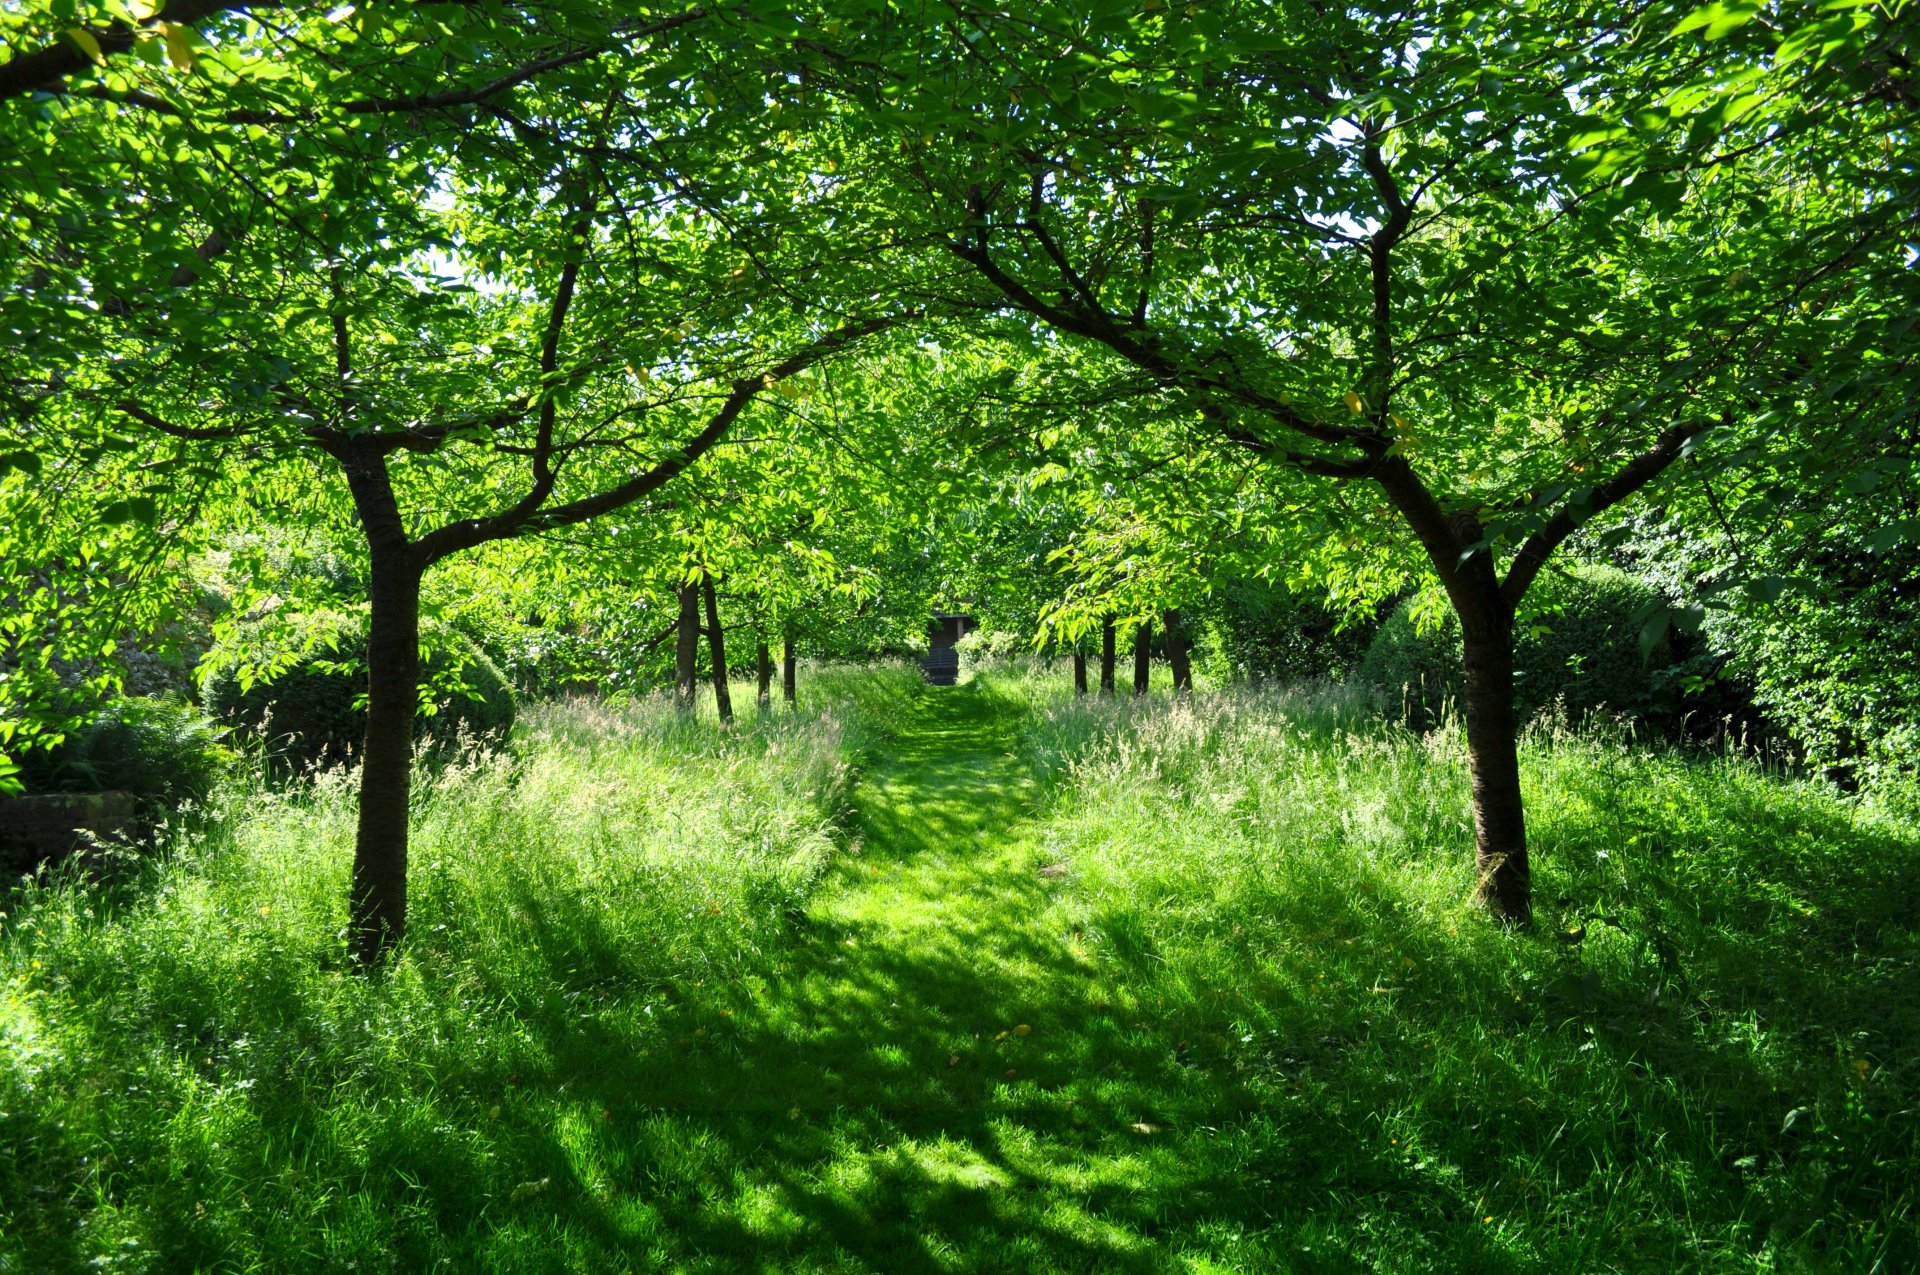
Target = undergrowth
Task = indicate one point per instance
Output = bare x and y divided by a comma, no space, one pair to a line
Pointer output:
983,979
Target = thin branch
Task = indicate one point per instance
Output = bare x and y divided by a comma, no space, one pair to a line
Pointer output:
129,408
1632,476
526,516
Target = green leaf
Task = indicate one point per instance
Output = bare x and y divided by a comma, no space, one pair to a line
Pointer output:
1718,20
140,509
1857,484
85,41
26,462
1893,534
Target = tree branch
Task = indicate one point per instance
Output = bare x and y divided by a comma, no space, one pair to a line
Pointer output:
526,516
129,408
47,68
1634,475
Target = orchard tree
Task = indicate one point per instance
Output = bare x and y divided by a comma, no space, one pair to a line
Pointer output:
484,315
1400,252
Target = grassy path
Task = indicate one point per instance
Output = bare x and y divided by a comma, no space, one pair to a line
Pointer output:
935,1077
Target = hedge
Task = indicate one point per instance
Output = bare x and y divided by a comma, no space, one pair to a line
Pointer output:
1583,649
306,706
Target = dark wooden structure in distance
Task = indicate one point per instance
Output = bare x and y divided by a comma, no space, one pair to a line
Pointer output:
942,665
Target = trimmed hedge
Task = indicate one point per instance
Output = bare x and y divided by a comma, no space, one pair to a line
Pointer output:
1584,649
306,704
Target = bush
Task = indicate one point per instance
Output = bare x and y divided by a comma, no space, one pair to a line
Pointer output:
1582,648
160,750
306,703
1259,630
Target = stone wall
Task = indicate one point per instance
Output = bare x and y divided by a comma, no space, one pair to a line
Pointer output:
38,828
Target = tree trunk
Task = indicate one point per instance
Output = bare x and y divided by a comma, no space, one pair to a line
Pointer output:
788,663
1455,544
1142,658
377,903
1176,638
686,651
763,670
717,651
1499,819
1106,656
1079,670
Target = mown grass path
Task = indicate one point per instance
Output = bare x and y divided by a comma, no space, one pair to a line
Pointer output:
936,1077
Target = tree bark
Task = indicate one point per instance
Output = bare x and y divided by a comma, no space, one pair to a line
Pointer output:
1499,817
1079,670
1106,656
378,901
377,895
717,651
1485,608
1142,658
1176,638
788,664
763,670
686,651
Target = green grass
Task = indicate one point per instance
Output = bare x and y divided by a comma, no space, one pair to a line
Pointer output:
982,980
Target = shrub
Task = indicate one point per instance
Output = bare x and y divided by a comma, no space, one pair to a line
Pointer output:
160,750
1582,648
299,684
1260,630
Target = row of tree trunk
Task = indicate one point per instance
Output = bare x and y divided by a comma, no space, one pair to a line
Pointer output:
687,653
1174,639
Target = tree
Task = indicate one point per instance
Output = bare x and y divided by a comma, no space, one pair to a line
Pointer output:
482,333
1388,250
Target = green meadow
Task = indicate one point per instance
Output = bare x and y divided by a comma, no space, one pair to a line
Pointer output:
982,979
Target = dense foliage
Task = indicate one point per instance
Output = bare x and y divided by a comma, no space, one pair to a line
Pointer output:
1581,652
379,379
298,689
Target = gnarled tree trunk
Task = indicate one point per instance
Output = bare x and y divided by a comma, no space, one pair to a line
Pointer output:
377,896
1499,817
378,902
1485,609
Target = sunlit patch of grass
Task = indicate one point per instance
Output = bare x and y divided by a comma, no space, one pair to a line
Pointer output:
192,1075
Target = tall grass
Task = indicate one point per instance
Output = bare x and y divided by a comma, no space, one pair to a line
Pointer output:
1705,1057
1183,985
192,1078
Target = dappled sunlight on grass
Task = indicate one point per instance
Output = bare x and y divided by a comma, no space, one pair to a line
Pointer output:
975,979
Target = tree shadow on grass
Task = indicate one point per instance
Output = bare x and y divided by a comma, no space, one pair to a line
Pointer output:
932,1079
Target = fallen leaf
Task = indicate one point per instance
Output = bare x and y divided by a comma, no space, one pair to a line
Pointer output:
1023,1030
